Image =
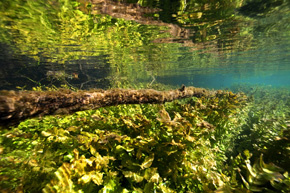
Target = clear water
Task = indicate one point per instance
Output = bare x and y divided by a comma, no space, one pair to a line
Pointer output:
160,44
92,45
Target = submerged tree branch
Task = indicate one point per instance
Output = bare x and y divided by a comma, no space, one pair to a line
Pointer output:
19,105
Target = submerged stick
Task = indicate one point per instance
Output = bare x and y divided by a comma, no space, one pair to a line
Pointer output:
20,105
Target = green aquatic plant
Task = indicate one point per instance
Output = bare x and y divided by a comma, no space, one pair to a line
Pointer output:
267,125
261,173
177,147
258,177
164,148
222,112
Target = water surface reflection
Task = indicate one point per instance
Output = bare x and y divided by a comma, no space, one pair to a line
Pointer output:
100,44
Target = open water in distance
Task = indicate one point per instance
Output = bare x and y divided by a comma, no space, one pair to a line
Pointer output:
104,44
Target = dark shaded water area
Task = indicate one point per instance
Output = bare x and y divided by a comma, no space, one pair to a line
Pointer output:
104,44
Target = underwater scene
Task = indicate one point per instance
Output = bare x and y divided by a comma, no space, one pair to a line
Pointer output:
153,96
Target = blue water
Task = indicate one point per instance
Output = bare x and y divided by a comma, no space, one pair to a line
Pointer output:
260,66
221,80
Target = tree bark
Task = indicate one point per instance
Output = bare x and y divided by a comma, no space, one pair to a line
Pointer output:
19,105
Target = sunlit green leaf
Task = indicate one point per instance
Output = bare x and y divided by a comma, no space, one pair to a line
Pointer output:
133,176
85,179
147,161
97,178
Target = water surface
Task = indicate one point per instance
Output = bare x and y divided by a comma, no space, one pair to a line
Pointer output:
103,44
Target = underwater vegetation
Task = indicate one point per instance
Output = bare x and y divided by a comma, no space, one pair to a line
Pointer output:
224,142
187,145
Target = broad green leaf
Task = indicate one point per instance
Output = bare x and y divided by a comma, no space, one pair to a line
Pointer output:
128,149
62,181
85,179
133,176
97,178
149,173
165,189
148,161
46,134
149,187
155,178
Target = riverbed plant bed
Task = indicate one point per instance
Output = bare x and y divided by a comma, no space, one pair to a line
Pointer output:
186,145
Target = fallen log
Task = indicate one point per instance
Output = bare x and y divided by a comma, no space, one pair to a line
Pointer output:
19,105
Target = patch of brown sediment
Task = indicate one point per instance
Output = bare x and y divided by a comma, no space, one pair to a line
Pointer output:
19,105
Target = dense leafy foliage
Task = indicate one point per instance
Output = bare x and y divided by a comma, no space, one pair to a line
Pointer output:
267,128
166,148
223,144
265,137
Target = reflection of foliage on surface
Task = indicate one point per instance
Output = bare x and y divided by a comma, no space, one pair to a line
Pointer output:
56,32
46,25
196,12
37,28
207,20
261,7
169,148
64,31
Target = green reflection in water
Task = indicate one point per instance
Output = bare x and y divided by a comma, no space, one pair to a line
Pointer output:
135,41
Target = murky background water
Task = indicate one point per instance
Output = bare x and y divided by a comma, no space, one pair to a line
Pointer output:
102,44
